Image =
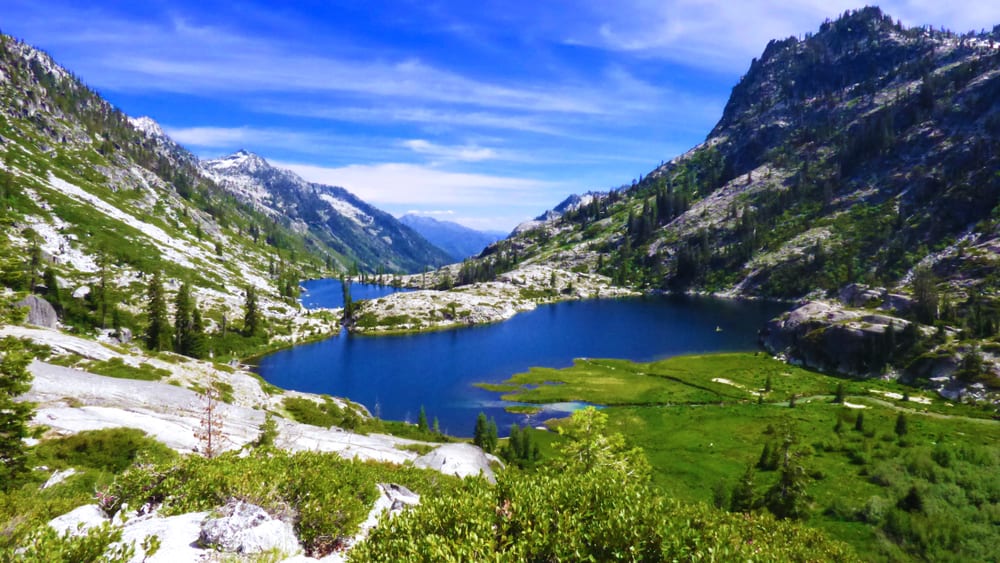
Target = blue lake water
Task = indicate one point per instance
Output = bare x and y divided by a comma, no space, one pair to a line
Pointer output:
330,294
395,375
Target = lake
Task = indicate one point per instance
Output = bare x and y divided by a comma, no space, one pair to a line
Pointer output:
395,375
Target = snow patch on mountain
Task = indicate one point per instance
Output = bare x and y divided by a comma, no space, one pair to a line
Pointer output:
174,250
571,203
147,126
347,210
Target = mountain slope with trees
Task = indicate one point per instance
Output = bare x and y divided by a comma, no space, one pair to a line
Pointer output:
865,155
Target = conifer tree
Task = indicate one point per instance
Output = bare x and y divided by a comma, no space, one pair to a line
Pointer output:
52,292
196,345
901,425
15,379
479,433
491,436
158,336
251,315
743,498
182,319
422,420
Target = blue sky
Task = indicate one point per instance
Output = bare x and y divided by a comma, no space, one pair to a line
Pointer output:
485,113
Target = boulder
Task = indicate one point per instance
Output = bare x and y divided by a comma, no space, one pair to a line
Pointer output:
829,337
461,460
79,520
247,528
81,292
40,312
178,537
123,335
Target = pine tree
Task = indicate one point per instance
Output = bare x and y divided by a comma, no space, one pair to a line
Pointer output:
52,293
345,286
251,315
901,425
422,420
491,436
183,322
158,325
479,437
196,345
743,498
787,498
15,379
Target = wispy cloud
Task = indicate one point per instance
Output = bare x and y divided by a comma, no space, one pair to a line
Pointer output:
431,212
723,35
414,185
463,153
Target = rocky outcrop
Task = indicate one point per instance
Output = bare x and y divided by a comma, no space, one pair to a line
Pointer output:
40,312
858,295
830,337
79,520
245,528
461,460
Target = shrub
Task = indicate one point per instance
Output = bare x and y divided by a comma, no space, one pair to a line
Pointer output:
112,450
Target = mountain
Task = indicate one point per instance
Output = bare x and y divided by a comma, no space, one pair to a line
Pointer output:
571,203
341,221
851,155
97,203
858,164
459,241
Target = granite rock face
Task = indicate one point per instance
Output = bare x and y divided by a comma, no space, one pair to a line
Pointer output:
246,528
40,312
829,337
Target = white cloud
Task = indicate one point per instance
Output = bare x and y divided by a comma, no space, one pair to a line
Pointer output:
431,212
725,35
413,185
464,153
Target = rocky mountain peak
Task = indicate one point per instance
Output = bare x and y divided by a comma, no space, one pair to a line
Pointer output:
148,126
241,161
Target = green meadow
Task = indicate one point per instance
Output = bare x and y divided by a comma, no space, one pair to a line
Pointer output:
917,478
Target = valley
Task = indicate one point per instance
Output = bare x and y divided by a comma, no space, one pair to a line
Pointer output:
782,344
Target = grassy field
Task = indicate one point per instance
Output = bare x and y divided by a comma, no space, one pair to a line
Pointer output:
702,420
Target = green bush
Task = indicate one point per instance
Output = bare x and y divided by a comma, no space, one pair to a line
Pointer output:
327,496
112,450
594,516
116,367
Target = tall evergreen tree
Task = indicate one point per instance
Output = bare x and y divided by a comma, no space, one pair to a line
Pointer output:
15,380
744,498
158,336
480,432
422,420
196,345
901,425
182,319
251,315
52,292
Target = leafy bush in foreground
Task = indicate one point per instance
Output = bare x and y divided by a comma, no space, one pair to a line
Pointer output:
595,516
595,504
325,495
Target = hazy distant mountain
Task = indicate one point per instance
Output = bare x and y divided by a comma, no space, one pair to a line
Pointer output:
458,241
